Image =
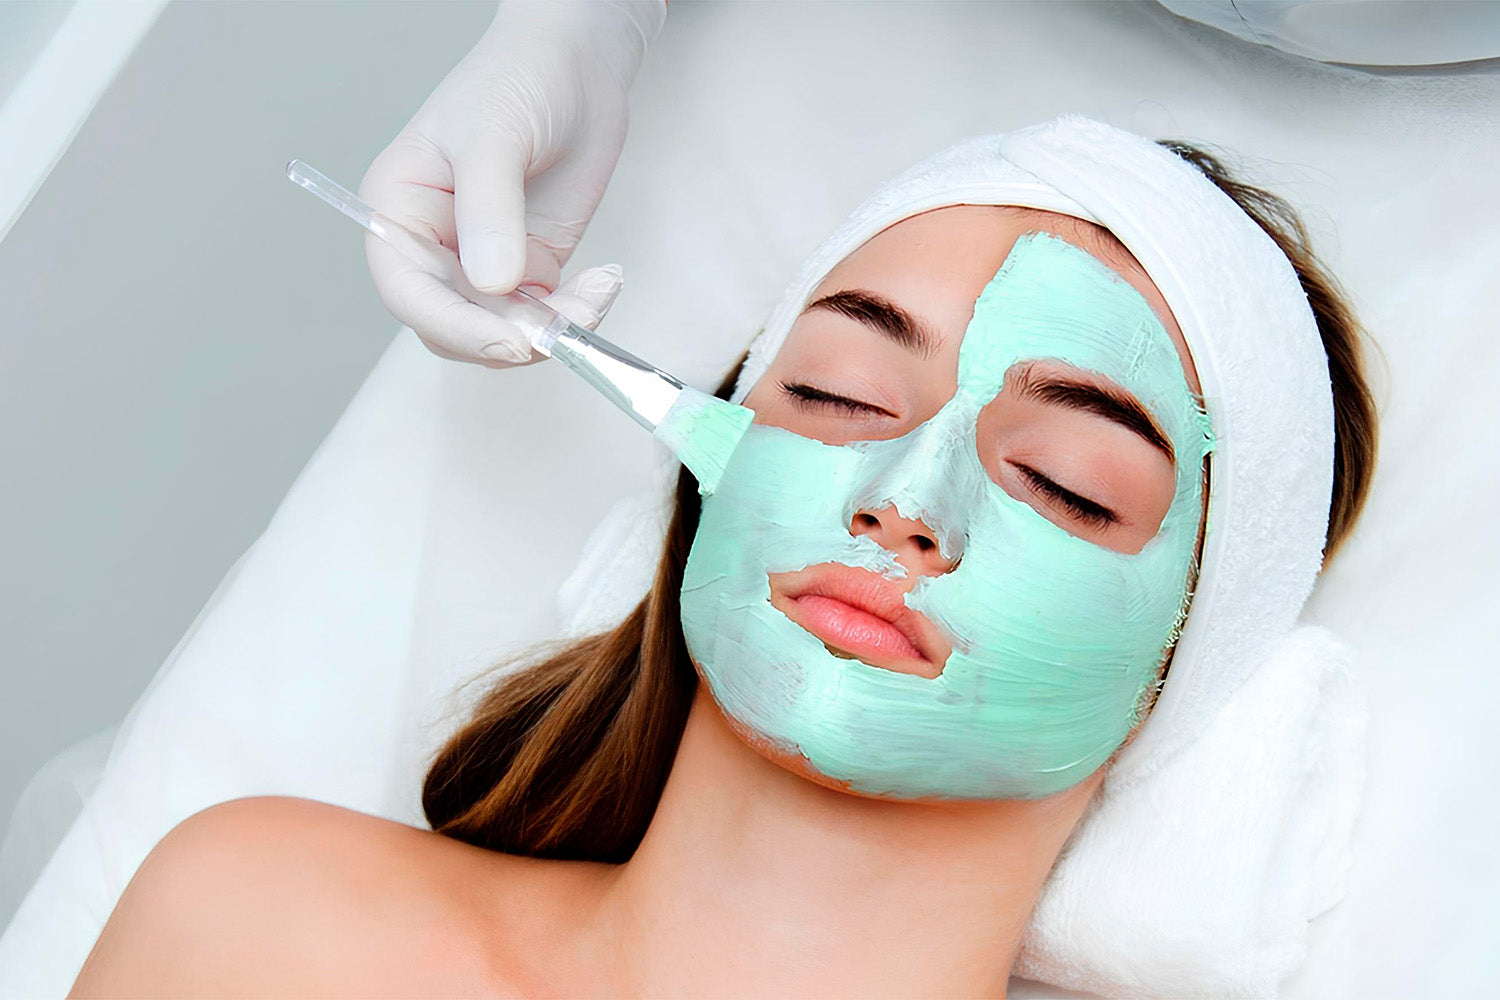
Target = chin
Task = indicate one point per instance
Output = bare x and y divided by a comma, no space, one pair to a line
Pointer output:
789,758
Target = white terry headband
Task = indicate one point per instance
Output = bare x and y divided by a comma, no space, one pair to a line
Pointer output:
1254,342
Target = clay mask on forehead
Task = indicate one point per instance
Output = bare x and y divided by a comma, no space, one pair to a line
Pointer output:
1054,637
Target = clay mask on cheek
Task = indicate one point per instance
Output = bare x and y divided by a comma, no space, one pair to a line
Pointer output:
1054,638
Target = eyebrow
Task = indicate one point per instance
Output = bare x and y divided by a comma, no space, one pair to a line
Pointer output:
1109,402
892,321
883,316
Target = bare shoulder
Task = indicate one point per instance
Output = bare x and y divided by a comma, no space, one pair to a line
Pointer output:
274,895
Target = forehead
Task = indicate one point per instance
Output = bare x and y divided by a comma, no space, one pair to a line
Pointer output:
935,264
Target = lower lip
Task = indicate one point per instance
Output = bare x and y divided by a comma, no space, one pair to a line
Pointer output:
853,630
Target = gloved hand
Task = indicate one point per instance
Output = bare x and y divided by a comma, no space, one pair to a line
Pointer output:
505,163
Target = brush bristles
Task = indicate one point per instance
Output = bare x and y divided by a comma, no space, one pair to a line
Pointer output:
703,431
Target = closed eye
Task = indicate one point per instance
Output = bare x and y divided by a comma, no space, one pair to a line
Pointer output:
1083,508
807,397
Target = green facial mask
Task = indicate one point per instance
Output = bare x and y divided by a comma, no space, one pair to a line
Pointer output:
1054,638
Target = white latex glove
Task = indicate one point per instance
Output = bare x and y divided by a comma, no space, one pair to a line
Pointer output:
505,163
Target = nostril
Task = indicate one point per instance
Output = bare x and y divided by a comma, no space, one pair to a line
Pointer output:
867,520
924,543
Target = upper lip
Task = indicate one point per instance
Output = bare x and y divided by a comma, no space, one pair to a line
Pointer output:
869,591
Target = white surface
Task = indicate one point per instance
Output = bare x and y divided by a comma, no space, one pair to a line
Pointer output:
409,582
26,26
46,808
54,96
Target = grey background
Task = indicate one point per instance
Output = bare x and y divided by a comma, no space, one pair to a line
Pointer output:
163,379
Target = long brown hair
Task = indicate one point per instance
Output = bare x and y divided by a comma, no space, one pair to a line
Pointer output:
566,758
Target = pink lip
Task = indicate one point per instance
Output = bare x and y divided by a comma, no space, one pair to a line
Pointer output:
859,612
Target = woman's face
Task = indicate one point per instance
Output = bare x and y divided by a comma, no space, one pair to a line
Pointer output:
948,562
875,353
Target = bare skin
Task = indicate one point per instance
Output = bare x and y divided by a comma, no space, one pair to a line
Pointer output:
756,877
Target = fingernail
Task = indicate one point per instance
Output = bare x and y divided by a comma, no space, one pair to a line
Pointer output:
607,302
606,280
483,267
503,351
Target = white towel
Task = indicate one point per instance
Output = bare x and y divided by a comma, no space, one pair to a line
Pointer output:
1225,826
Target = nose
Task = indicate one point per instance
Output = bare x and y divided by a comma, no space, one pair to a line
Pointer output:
914,544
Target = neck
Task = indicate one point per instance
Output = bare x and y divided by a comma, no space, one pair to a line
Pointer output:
753,877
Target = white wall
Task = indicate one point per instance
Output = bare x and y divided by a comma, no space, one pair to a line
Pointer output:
179,327
25,28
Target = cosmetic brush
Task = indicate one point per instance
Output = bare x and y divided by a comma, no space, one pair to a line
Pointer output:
700,429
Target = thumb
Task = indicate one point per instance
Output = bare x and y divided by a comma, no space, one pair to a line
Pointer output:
588,295
489,215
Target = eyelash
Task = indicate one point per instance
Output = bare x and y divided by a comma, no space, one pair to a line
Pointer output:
809,397
1085,510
